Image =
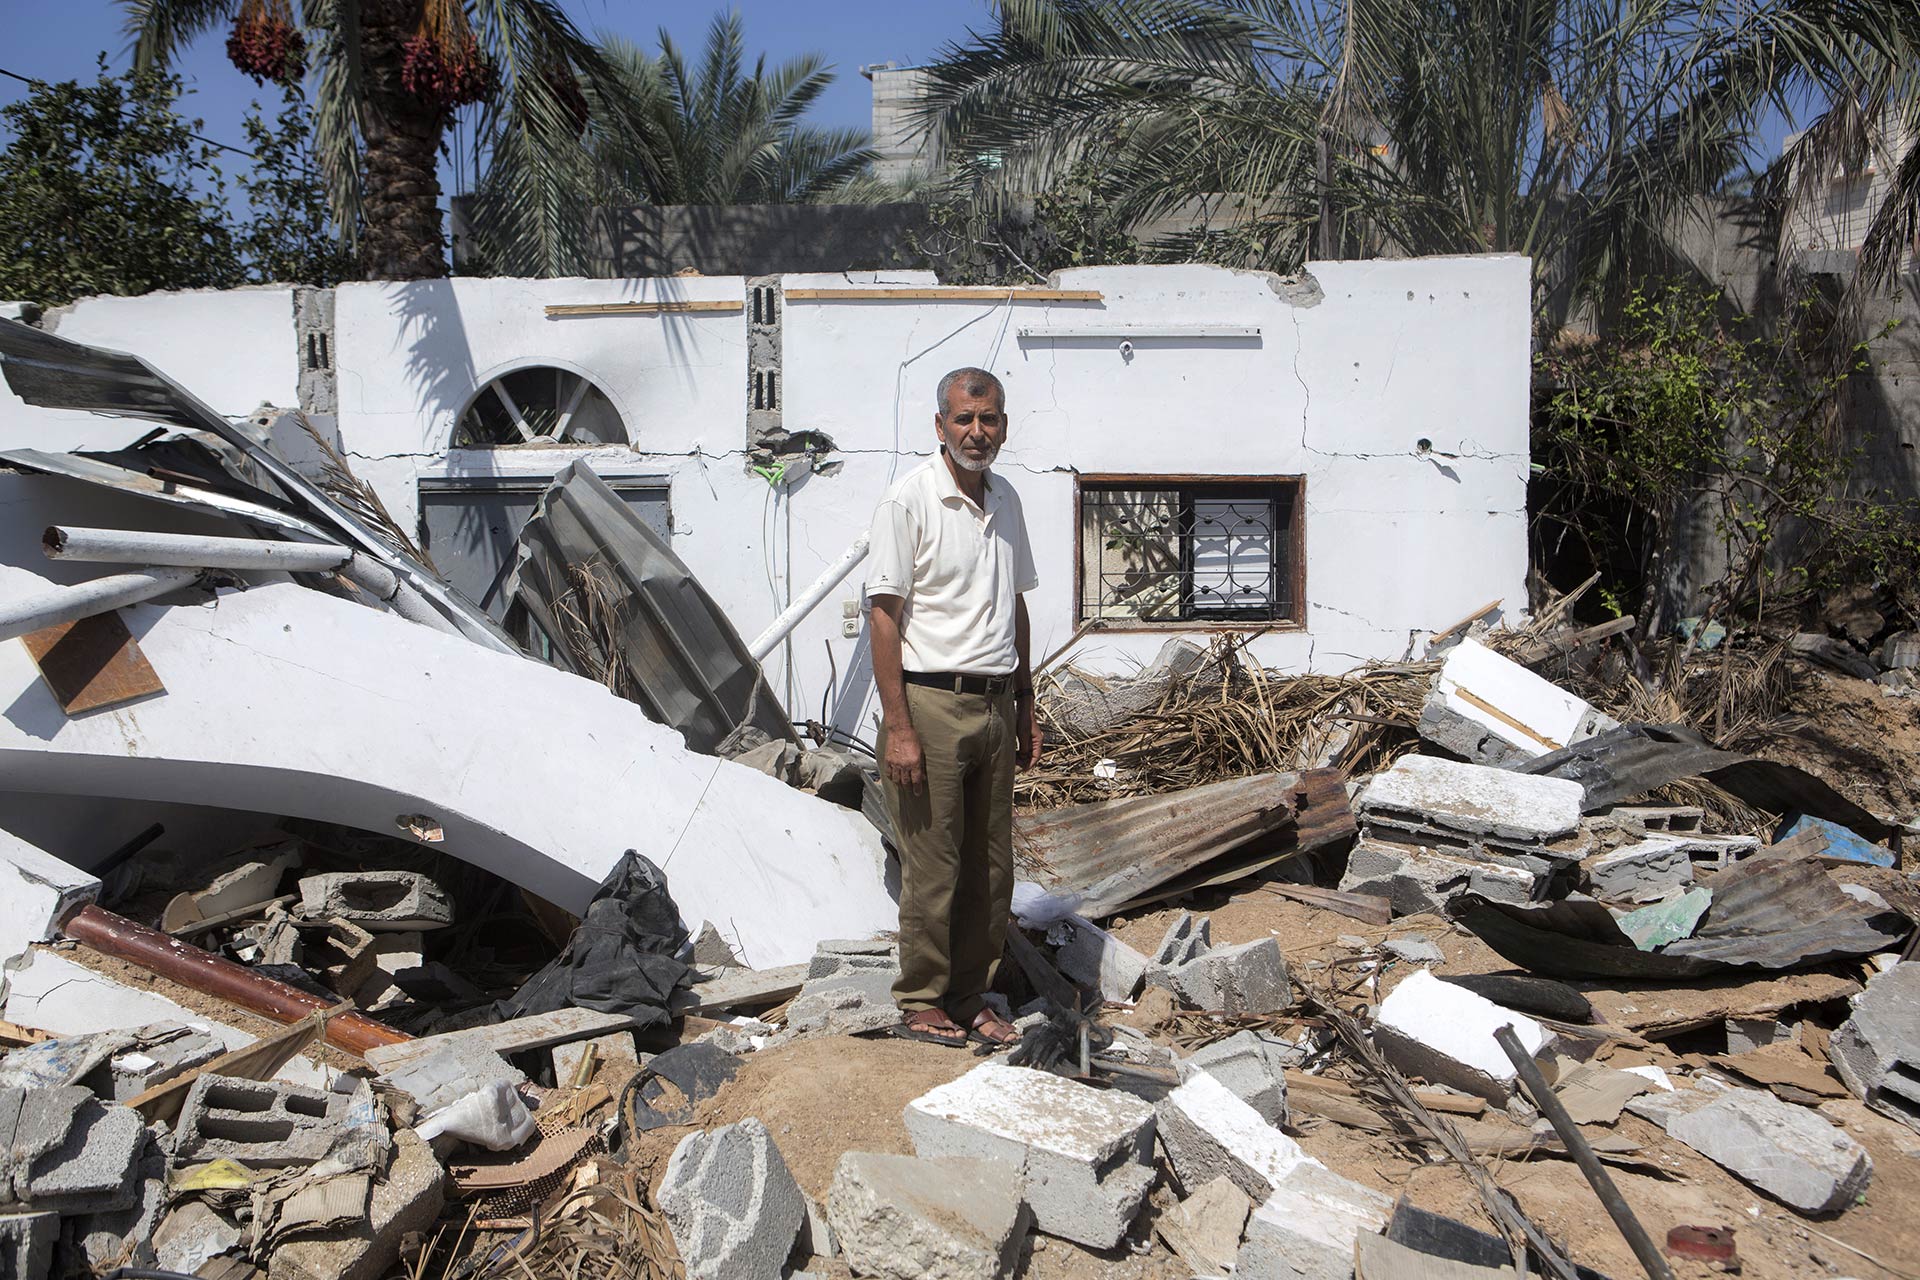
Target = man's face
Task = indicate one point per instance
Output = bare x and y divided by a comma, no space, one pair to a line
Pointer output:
973,428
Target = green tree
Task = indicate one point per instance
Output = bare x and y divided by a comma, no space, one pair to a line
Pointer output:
104,188
387,77
289,234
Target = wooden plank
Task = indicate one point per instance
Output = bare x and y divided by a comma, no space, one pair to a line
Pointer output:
944,293
1366,907
1474,699
537,1031
1467,621
639,308
739,988
92,663
13,1035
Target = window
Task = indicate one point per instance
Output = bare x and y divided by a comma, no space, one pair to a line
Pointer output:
1157,550
541,406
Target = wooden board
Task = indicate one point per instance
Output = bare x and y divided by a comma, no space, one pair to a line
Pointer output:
537,1031
938,294
739,988
639,308
92,663
1657,1012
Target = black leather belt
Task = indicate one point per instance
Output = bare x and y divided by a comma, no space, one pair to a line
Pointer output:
959,682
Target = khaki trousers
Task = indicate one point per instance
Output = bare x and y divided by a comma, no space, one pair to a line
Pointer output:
956,850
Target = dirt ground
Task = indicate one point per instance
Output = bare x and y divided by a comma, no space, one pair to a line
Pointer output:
1857,736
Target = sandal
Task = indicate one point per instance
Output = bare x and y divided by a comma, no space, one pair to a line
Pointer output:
981,1033
930,1026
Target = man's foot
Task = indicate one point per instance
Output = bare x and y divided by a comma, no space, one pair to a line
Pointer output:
990,1028
931,1026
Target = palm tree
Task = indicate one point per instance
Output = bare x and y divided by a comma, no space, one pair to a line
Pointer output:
1578,132
387,77
718,134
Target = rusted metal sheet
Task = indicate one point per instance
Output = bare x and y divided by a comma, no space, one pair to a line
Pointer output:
1637,758
1573,938
1116,854
1778,911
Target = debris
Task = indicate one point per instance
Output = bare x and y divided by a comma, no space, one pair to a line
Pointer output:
1417,881
1383,1258
535,1031
1876,1051
1252,1065
853,1002
1711,1244
1494,711
192,1235
383,901
1472,799
1367,907
1249,978
1414,948
260,1060
1205,1228
616,1047
1528,994
1187,938
1082,1153
837,955
1788,1152
37,893
1653,927
696,1071
1744,1035
455,1066
1310,1227
491,1116
734,1209
407,1200
1445,1034
1209,1133
1776,911
949,1219
258,1123
1096,959
1643,872
1597,1095
741,988
68,1152
1803,836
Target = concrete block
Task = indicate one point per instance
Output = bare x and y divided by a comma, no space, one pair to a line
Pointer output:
26,1244
617,1047
378,901
1208,1225
1646,871
903,1218
123,1237
253,881
1097,960
1474,799
1083,1154
1744,1035
1187,937
844,955
1456,734
1417,880
1308,1228
72,1154
1249,978
733,1207
1209,1133
1253,1068
192,1235
1512,705
1414,948
1793,1154
1877,1049
158,1061
817,1239
1640,821
455,1068
845,1004
407,1201
260,1123
1444,1034
37,892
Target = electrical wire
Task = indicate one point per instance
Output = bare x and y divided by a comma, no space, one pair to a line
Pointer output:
29,80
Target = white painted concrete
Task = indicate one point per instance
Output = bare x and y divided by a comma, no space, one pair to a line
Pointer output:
283,700
1515,705
233,348
1474,798
36,892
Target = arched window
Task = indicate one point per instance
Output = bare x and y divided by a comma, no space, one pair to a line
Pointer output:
541,406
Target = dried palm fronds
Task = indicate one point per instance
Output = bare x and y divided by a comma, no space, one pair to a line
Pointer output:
359,498
602,1231
593,628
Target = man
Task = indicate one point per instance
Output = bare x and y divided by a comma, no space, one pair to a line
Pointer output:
947,561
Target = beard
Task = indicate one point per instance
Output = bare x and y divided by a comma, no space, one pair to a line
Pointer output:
966,463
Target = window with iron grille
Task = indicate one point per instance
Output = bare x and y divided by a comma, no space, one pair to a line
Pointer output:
1160,550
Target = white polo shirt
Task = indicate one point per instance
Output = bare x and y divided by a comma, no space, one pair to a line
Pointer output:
957,566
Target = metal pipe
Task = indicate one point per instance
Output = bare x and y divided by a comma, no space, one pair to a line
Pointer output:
192,551
777,630
70,604
212,975
1651,1259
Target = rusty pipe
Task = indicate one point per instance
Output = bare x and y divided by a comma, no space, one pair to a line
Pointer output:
213,975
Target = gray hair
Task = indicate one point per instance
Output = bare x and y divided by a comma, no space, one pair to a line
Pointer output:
975,382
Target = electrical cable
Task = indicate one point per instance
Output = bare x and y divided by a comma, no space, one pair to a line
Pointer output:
29,80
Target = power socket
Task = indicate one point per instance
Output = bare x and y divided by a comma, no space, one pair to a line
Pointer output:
850,628
849,608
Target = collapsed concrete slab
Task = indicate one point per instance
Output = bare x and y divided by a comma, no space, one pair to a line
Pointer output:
904,1218
1474,799
1444,1033
286,700
1083,1154
1789,1152
1308,1227
37,892
1253,1068
1417,880
1877,1049
731,1203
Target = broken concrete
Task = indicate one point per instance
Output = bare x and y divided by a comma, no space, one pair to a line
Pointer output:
68,1152
259,1123
1789,1152
1444,1034
1249,978
617,1049
253,881
122,1237
1507,712
733,1207
1252,1066
37,892
407,1201
1308,1228
160,1060
1643,872
1414,948
910,1219
841,955
456,1066
1416,880
378,901
1206,1227
1186,938
192,1236
1744,1035
1209,1133
1083,1154
1097,960
848,1003
1474,799
26,1244
1876,1051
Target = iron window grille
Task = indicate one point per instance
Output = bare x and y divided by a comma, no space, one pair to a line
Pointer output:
1164,550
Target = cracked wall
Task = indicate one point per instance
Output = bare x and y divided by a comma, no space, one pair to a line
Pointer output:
1398,389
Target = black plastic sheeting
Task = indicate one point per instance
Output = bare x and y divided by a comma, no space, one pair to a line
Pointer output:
589,569
1637,758
622,957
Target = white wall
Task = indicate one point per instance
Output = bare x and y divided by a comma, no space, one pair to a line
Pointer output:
1339,390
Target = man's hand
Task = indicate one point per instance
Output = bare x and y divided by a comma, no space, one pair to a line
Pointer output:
1026,719
906,763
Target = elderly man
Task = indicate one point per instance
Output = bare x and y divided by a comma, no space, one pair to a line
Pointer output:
947,563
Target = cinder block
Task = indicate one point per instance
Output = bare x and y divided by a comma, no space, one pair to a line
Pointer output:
123,1237
733,1207
1444,1033
1187,937
1877,1049
1475,799
1083,1154
1793,1154
846,1004
902,1218
1307,1229
408,1200
1097,960
1209,1133
1643,872
26,1244
1641,821
262,1124
1249,978
1418,880
378,901
844,955
1253,1068
72,1154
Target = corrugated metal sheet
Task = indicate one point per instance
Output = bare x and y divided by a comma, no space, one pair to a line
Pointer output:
1778,911
1116,854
